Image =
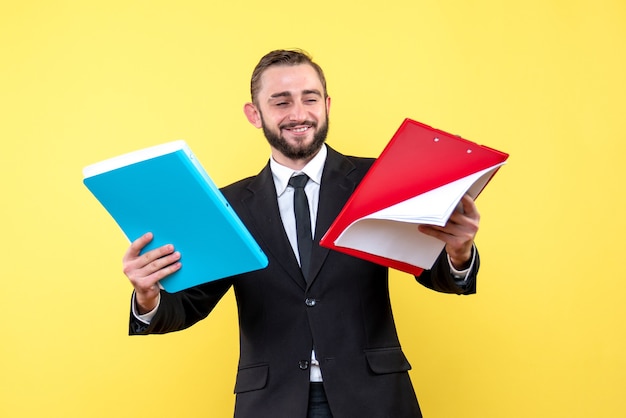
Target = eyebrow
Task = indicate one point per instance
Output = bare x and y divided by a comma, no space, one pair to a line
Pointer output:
288,93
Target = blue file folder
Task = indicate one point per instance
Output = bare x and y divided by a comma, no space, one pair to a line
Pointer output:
165,190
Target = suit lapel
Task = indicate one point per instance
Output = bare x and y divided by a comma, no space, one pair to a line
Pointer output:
337,186
263,211
262,207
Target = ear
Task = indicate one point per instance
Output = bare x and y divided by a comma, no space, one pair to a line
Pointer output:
253,115
327,105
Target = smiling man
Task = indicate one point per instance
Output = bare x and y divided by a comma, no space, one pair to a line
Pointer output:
317,336
291,105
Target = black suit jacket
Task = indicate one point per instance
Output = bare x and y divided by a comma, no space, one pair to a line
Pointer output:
344,312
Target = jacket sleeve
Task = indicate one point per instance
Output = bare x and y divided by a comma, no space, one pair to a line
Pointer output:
181,310
440,279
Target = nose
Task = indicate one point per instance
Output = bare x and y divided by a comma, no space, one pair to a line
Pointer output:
298,112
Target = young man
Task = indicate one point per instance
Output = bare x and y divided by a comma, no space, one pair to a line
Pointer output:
316,341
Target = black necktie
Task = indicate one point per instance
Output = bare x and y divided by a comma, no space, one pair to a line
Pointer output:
303,222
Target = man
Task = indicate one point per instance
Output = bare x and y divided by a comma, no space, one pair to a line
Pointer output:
318,341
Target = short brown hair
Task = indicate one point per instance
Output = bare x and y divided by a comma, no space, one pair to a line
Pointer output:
286,57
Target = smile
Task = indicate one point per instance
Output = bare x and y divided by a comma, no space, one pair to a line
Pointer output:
298,130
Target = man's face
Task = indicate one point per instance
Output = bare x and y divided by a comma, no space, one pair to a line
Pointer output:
292,110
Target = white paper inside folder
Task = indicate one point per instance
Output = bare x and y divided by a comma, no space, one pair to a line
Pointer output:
392,232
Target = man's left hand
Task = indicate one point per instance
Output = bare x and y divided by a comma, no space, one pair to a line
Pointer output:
458,233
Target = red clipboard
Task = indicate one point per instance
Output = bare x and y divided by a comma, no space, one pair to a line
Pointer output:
419,178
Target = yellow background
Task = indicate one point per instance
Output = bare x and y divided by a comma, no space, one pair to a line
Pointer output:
542,79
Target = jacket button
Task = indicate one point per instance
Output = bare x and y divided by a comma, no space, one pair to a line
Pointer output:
310,302
303,364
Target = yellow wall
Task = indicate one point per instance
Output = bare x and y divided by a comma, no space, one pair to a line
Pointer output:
542,79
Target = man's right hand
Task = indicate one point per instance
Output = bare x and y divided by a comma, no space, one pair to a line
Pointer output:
145,270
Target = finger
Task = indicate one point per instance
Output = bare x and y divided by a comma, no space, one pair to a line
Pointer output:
161,262
435,231
136,246
133,262
151,256
466,214
469,207
458,227
149,283
165,271
138,269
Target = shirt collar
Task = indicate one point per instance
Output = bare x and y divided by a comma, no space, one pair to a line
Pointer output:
313,169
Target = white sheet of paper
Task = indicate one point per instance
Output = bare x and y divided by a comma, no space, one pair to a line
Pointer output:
392,232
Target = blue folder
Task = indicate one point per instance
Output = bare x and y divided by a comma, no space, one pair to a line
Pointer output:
165,190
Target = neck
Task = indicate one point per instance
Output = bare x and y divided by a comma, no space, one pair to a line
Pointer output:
296,165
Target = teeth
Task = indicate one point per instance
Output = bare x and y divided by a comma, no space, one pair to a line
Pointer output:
300,129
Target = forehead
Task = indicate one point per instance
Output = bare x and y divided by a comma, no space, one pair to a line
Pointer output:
289,78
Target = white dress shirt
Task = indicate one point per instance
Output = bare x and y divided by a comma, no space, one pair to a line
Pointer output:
281,176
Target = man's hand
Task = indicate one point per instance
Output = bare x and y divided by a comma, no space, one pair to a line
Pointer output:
458,233
145,270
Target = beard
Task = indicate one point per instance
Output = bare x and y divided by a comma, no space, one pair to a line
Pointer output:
298,151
